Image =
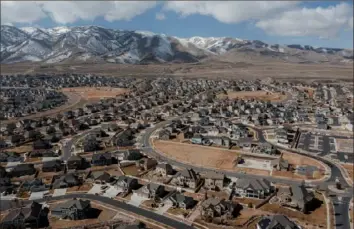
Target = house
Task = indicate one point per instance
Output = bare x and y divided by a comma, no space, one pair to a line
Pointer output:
91,144
295,196
32,215
10,157
3,172
127,184
52,166
280,164
23,170
100,177
214,207
33,185
164,169
181,201
146,163
276,222
99,159
214,180
186,178
132,155
75,209
5,185
151,191
41,144
253,188
76,162
66,181
164,134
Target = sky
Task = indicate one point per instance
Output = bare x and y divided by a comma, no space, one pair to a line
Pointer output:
316,23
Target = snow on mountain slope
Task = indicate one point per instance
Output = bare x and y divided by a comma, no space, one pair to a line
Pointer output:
86,43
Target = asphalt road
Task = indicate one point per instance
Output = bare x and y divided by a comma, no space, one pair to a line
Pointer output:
341,212
115,203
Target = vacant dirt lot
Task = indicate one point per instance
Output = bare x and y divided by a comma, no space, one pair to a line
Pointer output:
258,95
95,93
296,159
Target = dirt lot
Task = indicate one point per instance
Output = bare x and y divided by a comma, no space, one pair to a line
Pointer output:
314,218
105,215
95,93
83,188
296,159
131,170
203,156
259,95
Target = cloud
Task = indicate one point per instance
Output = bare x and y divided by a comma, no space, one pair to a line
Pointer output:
160,16
230,11
321,22
20,12
64,12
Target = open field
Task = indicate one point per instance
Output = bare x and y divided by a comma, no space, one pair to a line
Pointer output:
95,93
247,68
259,95
203,156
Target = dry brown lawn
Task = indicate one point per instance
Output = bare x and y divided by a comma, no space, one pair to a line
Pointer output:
258,95
292,175
131,170
83,188
96,93
23,148
105,215
317,217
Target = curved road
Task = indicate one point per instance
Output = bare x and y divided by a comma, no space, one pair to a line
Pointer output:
115,203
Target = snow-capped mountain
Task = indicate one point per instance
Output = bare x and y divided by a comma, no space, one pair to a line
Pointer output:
93,43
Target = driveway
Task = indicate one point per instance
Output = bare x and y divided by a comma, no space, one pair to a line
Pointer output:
112,192
163,209
136,200
59,192
38,195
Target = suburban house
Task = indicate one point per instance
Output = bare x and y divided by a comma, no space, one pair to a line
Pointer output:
295,196
3,172
65,181
164,169
253,188
100,177
100,159
214,207
23,170
186,178
127,184
181,201
276,222
132,155
75,209
76,162
41,144
151,191
146,163
53,166
31,215
213,180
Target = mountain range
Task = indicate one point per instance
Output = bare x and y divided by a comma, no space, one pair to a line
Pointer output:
97,44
